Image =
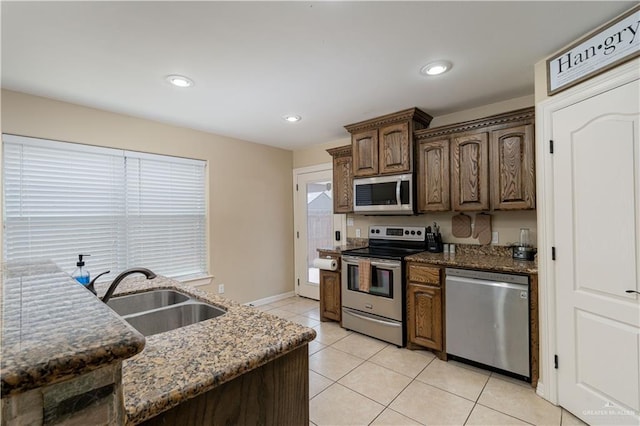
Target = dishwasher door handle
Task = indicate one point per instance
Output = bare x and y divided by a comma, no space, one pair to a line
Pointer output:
475,282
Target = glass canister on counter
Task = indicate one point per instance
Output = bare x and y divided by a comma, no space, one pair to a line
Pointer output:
523,250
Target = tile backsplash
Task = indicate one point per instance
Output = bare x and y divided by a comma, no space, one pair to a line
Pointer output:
506,223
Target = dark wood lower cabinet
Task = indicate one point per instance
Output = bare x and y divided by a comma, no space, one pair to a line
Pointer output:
330,300
425,308
275,394
425,316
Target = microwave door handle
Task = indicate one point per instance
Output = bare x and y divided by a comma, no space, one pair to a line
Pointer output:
398,182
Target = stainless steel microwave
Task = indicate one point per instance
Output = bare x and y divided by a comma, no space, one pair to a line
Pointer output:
383,195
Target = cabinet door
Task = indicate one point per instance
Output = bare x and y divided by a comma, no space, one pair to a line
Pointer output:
513,173
424,314
330,301
470,172
365,153
342,185
433,176
395,150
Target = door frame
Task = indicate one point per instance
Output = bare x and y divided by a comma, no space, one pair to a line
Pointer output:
339,220
548,383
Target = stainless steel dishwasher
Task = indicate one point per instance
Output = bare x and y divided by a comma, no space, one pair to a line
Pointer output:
487,319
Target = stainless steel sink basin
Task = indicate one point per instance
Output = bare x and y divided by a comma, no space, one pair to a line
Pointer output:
156,311
145,301
170,318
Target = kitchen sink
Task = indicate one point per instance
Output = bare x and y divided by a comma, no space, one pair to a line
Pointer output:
170,318
156,311
145,301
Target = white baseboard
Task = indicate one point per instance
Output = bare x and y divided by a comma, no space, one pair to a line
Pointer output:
540,389
271,299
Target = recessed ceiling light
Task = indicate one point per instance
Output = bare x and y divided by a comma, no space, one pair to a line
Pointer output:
179,80
292,118
436,68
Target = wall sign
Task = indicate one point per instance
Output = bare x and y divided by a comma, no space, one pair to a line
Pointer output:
612,45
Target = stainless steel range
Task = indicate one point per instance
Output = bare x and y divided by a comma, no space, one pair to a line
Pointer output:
373,282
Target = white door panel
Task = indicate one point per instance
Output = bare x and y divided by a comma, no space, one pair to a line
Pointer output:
595,191
596,173
594,336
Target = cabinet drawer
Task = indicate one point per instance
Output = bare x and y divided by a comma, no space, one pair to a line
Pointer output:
424,274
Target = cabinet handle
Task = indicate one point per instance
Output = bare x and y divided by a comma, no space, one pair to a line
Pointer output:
632,291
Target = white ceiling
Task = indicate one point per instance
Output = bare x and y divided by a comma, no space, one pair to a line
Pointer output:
333,63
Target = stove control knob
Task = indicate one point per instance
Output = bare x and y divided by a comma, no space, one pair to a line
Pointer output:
406,232
373,231
419,232
413,232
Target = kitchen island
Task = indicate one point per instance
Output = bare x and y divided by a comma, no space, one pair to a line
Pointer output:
257,362
242,367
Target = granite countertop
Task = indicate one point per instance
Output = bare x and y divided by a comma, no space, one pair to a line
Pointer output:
487,262
352,243
53,329
183,363
467,256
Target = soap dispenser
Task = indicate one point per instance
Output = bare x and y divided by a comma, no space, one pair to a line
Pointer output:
81,274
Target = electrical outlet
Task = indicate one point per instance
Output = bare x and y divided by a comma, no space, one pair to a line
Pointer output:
220,288
349,221
357,232
494,237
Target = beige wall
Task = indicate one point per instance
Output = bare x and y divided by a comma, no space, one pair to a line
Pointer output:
250,197
317,154
507,224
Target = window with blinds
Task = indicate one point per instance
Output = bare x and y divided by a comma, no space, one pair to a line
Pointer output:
123,208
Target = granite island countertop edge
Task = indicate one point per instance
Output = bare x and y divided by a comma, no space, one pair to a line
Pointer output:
53,329
181,364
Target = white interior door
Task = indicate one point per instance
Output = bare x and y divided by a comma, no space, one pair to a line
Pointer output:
314,225
596,175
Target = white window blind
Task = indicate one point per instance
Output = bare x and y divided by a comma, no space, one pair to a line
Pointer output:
123,208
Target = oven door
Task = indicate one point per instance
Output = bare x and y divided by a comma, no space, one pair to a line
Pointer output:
383,294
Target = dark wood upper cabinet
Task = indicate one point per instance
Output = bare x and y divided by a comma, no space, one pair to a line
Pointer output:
491,164
395,149
470,172
384,145
365,153
342,179
513,175
433,175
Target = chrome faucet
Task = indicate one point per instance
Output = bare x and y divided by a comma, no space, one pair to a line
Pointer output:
150,275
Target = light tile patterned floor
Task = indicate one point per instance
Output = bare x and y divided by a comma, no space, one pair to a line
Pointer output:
357,380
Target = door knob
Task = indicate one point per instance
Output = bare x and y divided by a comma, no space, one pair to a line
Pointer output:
632,291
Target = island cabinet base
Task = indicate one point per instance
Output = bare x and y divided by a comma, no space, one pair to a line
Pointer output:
275,394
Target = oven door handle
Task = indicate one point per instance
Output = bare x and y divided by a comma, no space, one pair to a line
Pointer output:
349,260
389,265
368,318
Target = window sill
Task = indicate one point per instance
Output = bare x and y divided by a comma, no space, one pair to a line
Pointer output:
198,282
